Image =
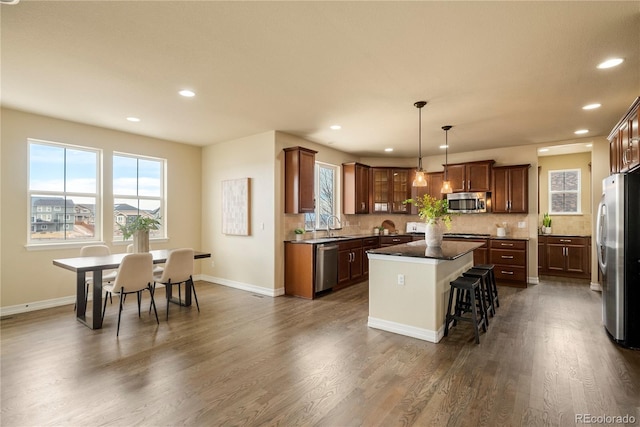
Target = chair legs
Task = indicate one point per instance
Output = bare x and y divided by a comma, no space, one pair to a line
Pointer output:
123,296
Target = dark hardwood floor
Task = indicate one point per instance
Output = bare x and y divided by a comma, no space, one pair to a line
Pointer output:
248,360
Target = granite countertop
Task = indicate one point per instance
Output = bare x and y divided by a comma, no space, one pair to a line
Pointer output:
419,249
336,239
588,236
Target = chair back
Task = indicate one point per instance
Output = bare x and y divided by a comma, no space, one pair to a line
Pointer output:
179,266
130,248
135,273
95,250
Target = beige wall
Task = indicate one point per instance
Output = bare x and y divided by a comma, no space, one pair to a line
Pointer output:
28,277
579,224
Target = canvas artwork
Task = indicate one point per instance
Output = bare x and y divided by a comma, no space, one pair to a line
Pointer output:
235,207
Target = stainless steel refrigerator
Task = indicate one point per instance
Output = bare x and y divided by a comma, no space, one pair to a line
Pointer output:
618,243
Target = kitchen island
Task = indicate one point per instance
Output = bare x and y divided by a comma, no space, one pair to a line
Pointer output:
409,286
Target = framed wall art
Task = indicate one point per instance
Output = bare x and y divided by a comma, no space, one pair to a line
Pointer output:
235,206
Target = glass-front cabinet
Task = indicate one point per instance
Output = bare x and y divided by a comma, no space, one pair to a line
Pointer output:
390,187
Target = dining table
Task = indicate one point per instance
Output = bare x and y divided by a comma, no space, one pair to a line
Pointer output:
96,265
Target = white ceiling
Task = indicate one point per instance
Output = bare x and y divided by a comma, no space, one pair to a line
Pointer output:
502,73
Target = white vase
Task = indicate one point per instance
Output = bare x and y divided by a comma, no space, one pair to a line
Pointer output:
433,234
299,237
141,241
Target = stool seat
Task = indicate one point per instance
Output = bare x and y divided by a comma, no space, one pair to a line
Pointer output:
463,287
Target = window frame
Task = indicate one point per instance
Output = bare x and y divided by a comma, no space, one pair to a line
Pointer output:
318,224
117,238
34,244
578,192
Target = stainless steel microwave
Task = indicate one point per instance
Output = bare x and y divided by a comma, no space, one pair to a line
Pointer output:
468,202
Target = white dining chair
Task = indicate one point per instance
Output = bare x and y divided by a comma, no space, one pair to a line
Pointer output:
108,276
177,270
157,269
135,275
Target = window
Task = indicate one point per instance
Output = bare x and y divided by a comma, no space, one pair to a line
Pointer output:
326,195
62,176
138,190
564,191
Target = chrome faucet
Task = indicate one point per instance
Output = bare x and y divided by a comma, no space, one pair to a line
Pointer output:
328,221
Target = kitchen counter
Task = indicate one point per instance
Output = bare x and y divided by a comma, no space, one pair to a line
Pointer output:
448,251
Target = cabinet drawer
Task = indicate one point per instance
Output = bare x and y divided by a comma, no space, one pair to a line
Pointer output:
508,244
578,241
394,240
503,272
350,244
370,241
508,257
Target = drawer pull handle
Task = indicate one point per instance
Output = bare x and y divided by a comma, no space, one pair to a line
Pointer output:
395,240
565,240
506,244
506,272
507,256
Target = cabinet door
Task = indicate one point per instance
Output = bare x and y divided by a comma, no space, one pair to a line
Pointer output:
434,184
362,189
307,174
356,263
555,258
576,259
623,144
456,175
355,188
519,190
541,255
634,136
344,266
500,195
400,191
614,154
478,177
380,189
299,171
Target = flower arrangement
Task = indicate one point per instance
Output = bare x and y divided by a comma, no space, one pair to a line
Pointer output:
140,223
432,210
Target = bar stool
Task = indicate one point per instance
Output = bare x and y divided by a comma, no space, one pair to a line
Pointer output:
492,281
485,287
466,286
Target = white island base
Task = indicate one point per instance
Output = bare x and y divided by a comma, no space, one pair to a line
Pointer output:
417,307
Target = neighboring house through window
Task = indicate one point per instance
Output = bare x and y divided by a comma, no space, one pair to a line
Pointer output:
564,191
138,190
61,177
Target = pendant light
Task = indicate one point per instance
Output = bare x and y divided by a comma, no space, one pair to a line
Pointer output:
420,180
446,184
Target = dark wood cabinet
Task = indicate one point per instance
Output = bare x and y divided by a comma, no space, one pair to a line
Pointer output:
509,257
368,243
510,189
624,141
480,255
389,188
470,177
349,262
394,240
299,271
567,256
355,188
299,173
434,185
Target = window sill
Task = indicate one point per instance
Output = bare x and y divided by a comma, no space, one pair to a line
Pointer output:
77,245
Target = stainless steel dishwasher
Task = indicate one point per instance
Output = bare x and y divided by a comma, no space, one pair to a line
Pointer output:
326,266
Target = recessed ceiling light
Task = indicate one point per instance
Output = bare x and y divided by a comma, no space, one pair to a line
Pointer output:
543,150
187,93
581,131
133,119
610,63
589,145
336,127
388,150
591,106
444,146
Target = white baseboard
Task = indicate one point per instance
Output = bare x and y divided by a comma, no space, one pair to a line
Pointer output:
402,329
533,280
50,303
595,287
244,286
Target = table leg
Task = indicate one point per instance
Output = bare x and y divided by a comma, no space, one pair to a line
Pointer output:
81,306
97,300
96,311
186,301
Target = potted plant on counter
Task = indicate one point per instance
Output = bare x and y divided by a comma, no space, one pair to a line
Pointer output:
435,212
299,233
546,224
139,228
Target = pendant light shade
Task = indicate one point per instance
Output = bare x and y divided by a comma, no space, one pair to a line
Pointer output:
446,184
420,180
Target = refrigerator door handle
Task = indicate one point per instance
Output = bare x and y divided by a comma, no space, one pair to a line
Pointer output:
600,235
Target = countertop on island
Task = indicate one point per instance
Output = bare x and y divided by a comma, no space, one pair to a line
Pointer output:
449,250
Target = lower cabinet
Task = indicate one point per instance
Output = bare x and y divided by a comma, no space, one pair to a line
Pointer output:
395,240
566,256
480,255
349,262
509,257
368,243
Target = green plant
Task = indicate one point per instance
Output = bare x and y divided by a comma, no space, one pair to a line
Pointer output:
299,231
140,223
381,228
546,220
432,210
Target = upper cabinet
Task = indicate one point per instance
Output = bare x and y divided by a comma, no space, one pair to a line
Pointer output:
434,185
299,172
389,188
355,188
624,141
510,189
470,177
